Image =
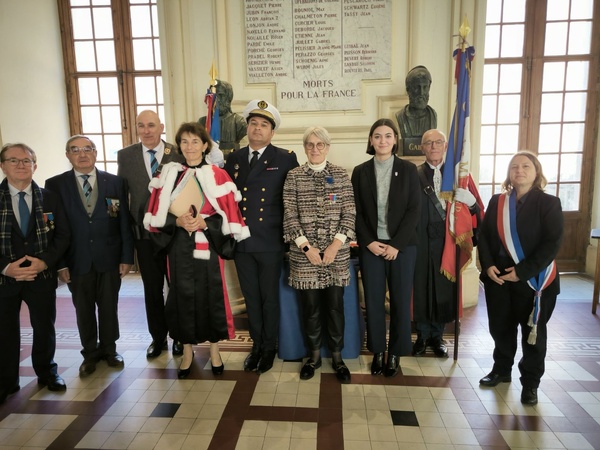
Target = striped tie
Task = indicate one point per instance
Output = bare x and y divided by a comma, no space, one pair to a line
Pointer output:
153,161
23,212
87,188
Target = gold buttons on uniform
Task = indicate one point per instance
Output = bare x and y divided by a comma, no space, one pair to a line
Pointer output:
263,189
262,199
245,188
260,219
244,208
244,218
244,199
261,209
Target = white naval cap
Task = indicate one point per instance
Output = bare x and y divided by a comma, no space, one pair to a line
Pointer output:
263,109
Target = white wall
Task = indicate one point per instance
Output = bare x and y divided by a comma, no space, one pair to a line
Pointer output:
33,106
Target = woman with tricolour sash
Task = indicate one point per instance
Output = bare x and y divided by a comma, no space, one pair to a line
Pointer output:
521,234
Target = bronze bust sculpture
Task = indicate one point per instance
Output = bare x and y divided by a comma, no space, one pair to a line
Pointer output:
233,126
417,117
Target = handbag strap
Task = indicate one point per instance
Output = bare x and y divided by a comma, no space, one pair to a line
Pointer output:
430,192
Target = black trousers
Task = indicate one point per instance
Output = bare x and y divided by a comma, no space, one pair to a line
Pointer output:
153,268
398,274
40,297
91,290
319,304
509,307
259,275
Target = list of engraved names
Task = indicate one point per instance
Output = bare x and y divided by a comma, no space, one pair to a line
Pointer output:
317,51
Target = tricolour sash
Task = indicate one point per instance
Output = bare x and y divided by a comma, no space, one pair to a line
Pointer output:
507,229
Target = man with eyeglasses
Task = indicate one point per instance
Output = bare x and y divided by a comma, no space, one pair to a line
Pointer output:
259,171
137,164
101,251
434,301
34,234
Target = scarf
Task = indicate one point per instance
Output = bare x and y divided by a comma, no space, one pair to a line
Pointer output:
7,218
507,229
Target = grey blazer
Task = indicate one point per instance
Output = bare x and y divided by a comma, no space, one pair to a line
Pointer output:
132,168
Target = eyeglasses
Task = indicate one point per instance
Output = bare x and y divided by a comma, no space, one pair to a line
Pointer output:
15,161
319,145
76,150
438,143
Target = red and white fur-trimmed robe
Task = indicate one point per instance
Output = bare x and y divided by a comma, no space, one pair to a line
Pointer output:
221,197
182,313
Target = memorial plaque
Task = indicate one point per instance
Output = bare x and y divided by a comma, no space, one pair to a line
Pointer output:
318,51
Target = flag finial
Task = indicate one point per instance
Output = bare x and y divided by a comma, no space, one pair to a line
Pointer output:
213,74
464,29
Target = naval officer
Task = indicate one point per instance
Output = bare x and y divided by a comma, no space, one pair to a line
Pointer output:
259,171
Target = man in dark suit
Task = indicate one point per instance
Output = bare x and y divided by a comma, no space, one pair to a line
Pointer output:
259,171
100,253
34,234
434,295
137,164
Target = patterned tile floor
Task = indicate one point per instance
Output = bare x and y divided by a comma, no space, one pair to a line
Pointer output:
432,404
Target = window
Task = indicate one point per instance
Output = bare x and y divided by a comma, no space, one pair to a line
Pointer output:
112,69
538,95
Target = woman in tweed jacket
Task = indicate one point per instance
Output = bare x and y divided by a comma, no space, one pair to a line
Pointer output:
319,216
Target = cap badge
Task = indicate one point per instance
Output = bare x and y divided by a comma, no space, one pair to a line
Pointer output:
263,105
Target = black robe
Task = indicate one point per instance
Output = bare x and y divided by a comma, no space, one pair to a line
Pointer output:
433,294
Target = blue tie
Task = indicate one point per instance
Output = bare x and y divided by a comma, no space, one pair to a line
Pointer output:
23,212
153,162
87,187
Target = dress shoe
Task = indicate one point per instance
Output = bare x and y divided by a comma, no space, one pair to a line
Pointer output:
266,361
177,348
217,370
87,367
114,360
251,361
529,396
494,379
393,366
155,349
438,347
308,370
7,392
341,372
419,347
377,364
183,373
54,383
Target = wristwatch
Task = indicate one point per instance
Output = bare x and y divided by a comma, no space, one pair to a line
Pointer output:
305,248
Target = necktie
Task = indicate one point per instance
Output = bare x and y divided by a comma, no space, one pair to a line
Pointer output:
87,187
153,161
437,185
23,213
254,159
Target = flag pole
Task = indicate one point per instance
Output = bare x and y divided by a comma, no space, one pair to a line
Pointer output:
463,32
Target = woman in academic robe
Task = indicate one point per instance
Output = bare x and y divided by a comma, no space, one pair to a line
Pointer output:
186,201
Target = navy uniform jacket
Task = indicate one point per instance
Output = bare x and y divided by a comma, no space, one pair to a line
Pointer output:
262,195
103,240
58,241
